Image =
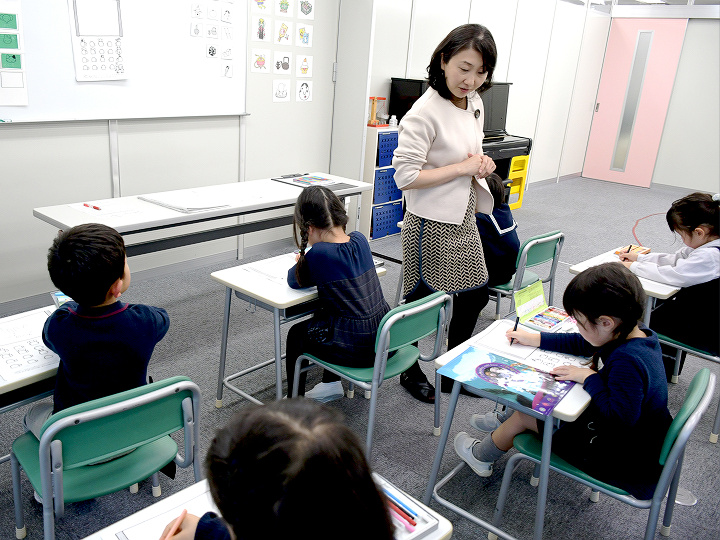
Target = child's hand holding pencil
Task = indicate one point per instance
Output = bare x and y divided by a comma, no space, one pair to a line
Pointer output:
181,528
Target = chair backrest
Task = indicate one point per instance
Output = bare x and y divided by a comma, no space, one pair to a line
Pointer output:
107,427
540,249
696,401
413,321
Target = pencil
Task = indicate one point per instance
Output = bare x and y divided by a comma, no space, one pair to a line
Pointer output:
629,248
402,513
517,320
175,525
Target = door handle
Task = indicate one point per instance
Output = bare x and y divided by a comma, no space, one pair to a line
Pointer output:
597,107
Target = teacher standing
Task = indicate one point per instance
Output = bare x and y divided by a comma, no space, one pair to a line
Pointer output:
440,167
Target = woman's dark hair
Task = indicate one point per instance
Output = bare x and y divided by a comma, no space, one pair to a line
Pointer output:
321,208
276,466
85,261
608,289
467,36
692,211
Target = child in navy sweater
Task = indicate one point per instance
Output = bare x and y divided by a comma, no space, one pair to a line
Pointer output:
498,233
351,300
104,345
618,438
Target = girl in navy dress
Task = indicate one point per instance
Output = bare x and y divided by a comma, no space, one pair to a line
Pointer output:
352,304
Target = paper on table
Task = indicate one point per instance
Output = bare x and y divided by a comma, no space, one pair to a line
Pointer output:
152,528
275,269
186,200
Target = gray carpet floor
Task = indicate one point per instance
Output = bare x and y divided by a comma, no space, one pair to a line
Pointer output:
595,217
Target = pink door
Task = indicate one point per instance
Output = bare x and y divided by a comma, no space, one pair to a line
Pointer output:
637,79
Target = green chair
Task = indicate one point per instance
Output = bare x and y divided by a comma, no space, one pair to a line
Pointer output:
696,402
399,330
533,252
682,350
106,445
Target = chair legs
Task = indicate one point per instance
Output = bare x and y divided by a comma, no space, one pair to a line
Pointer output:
156,489
371,419
436,421
20,530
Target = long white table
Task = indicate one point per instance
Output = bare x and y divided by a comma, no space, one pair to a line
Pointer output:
150,522
653,289
132,215
568,409
263,284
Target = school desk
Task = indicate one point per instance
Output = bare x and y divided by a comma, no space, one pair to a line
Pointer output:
149,523
27,367
653,289
133,215
568,409
263,284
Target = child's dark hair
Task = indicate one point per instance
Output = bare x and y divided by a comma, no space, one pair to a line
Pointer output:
497,189
467,36
273,466
692,211
85,261
321,208
607,289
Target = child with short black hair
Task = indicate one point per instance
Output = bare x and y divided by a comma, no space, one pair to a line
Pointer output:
352,304
275,466
692,316
104,345
498,234
618,438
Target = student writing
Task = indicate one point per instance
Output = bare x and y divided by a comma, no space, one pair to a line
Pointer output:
618,438
104,345
692,316
275,466
351,300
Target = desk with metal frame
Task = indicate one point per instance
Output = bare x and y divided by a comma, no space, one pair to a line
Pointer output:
132,215
569,408
653,289
263,284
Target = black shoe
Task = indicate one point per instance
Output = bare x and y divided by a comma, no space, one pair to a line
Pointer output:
421,390
446,385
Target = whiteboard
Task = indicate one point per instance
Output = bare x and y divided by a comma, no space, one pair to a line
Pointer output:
169,71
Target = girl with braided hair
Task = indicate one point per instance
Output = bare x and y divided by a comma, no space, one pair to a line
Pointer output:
351,300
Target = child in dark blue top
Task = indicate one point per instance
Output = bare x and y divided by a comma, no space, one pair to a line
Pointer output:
104,345
351,299
618,438
498,234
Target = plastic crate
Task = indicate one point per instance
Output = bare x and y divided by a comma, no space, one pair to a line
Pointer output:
385,218
384,188
387,143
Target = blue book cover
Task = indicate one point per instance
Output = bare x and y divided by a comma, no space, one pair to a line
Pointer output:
507,378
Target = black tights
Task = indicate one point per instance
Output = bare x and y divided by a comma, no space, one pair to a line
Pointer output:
467,306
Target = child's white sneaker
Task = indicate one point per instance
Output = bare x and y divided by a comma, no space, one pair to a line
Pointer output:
485,422
464,444
325,392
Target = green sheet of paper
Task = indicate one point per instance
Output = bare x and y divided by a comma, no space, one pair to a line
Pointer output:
530,301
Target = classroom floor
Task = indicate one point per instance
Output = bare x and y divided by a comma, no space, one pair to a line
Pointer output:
404,444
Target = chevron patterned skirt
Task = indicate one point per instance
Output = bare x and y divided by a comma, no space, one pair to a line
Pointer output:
445,256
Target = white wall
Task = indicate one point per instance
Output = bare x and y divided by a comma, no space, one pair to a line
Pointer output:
688,153
390,49
499,18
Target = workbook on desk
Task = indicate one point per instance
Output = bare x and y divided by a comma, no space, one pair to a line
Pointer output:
187,201
306,180
490,363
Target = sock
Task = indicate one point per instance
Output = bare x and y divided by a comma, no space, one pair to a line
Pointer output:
487,451
504,413
329,376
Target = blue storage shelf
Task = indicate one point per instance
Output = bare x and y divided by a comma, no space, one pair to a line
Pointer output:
385,218
387,143
385,188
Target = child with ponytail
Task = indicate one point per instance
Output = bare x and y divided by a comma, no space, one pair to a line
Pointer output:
351,300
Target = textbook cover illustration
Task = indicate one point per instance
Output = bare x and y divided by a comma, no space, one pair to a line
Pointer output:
491,372
632,248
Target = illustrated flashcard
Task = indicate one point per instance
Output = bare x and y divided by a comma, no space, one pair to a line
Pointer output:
303,65
227,33
226,52
8,21
306,9
211,50
226,70
281,63
283,33
304,35
9,41
259,60
197,10
284,8
263,7
10,61
260,29
303,91
213,11
281,90
226,13
13,82
212,30
196,29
